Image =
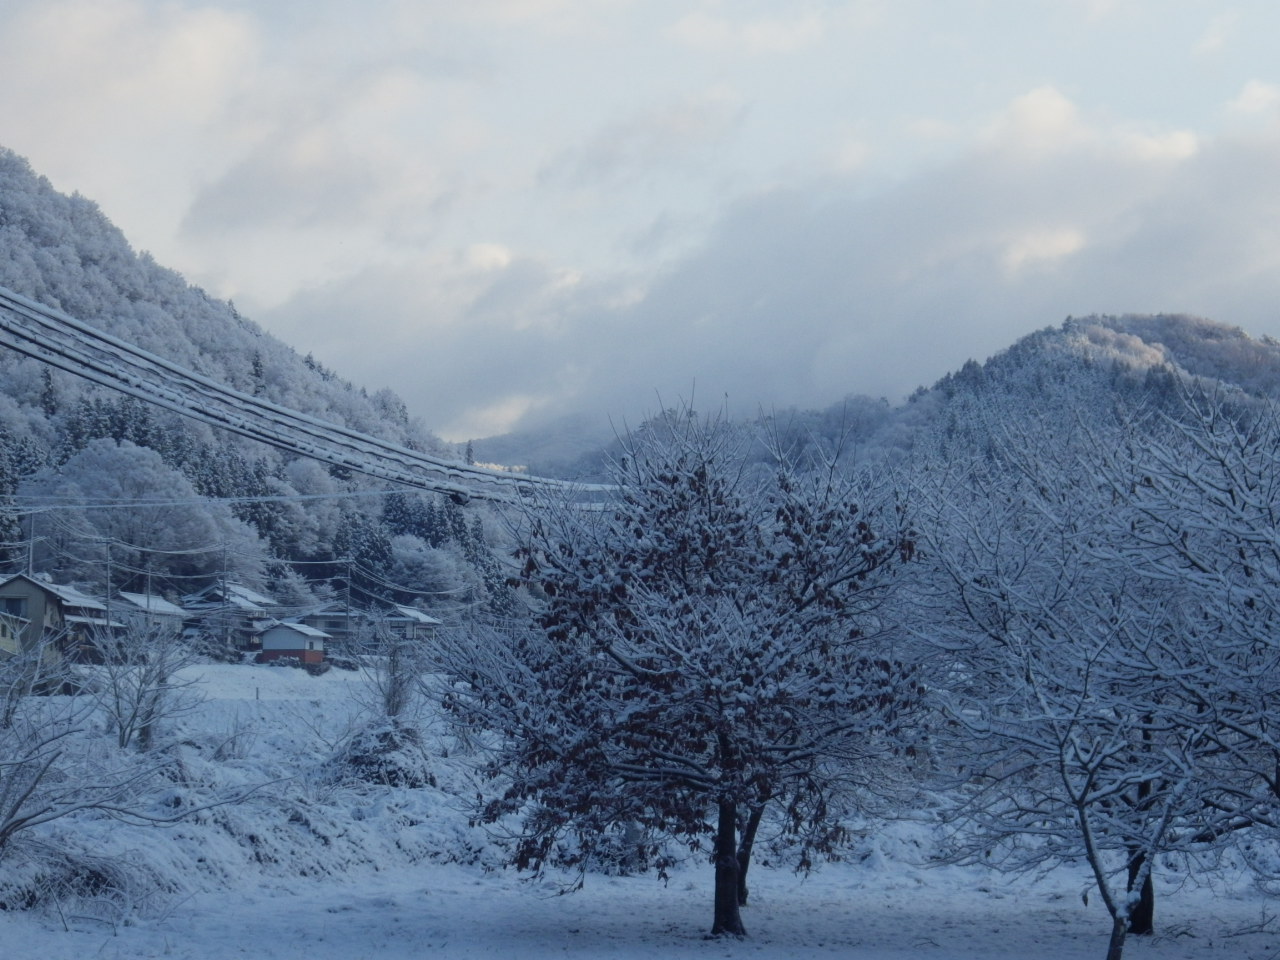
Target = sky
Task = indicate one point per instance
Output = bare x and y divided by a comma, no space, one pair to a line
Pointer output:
512,210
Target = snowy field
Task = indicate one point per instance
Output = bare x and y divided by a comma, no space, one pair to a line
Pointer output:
451,911
316,869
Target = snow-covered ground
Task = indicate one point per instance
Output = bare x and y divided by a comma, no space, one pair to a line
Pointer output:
336,871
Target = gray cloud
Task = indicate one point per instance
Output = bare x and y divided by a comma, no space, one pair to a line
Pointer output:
663,137
802,295
275,187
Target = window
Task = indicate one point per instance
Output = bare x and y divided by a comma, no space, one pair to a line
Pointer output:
14,606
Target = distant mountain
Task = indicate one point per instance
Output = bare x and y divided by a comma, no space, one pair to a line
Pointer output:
567,447
1083,362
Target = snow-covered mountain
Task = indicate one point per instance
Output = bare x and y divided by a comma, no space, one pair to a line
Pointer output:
56,430
1084,361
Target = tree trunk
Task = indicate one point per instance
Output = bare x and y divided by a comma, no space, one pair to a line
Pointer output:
728,921
1115,949
1142,912
744,850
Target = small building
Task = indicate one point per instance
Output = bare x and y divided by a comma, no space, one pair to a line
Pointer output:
54,614
150,608
280,639
340,623
230,613
410,623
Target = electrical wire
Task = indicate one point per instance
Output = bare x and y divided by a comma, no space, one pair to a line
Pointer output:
72,345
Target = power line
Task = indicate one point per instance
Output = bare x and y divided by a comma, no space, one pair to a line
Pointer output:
69,344
39,503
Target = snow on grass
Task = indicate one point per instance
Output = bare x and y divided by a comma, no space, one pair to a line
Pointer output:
462,912
319,867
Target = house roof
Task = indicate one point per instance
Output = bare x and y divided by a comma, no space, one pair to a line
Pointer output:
93,622
300,628
242,592
230,594
153,604
332,609
206,605
69,596
413,613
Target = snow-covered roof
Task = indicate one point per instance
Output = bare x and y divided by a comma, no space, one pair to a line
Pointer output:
242,605
233,594
301,628
93,622
397,612
240,591
68,595
153,604
74,598
331,609
416,615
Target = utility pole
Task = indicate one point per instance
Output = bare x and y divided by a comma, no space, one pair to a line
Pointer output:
350,631
149,601
107,627
226,601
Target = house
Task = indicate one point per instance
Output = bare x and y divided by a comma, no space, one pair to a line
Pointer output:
54,613
340,623
11,628
355,629
280,639
230,613
149,608
410,623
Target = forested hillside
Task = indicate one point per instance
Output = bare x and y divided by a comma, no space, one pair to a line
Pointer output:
69,450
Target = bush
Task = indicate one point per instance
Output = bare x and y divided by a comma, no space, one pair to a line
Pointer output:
387,754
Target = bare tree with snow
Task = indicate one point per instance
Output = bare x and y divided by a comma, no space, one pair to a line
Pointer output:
1083,698
138,684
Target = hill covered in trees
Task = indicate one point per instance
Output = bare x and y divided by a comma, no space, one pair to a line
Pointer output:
70,451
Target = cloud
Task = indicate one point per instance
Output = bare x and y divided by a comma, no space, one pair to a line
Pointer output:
670,133
556,16
100,77
1177,145
1038,123
474,340
140,58
1257,97
773,35
1216,36
1098,10
805,294
1045,245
